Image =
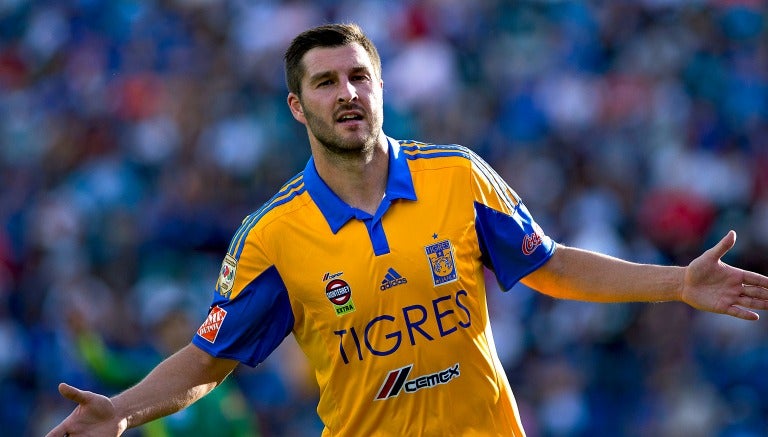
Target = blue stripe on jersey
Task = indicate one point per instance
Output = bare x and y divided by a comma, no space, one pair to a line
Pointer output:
422,150
435,155
280,198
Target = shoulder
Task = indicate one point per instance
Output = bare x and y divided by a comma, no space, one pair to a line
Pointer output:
290,198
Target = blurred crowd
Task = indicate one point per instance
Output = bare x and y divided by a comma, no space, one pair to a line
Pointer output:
135,135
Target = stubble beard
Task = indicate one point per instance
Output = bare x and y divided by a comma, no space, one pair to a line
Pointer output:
339,147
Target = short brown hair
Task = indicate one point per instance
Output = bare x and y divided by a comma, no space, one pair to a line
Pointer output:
327,35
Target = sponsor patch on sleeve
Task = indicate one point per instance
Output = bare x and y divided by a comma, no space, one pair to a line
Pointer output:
533,240
209,330
227,276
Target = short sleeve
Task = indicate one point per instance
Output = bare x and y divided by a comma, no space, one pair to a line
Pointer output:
250,326
511,242
250,314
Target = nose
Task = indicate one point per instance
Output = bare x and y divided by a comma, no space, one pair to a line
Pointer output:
347,92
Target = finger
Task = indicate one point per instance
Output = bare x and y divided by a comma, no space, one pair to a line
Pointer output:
756,291
753,297
72,393
755,279
724,245
741,313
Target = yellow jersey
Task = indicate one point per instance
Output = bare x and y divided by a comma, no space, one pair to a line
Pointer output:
389,308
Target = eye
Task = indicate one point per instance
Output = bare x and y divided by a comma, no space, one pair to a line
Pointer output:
324,83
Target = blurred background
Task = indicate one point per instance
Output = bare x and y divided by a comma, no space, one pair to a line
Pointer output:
135,136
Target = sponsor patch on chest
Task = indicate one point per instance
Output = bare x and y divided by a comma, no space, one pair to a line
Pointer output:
339,293
397,381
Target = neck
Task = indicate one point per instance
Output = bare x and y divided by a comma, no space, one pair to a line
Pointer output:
360,179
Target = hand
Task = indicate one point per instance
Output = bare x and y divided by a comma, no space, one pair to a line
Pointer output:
95,415
712,285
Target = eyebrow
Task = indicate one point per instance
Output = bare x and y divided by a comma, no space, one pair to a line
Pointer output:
321,76
329,73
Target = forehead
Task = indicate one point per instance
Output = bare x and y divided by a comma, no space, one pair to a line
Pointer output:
336,59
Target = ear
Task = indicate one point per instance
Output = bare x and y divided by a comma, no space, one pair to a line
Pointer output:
294,104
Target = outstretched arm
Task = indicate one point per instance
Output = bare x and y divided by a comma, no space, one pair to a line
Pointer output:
174,384
706,283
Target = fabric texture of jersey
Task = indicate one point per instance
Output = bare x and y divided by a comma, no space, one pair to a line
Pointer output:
389,308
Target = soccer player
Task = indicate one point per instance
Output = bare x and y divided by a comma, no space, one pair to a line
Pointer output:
373,258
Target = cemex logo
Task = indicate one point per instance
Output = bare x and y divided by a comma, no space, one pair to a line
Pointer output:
397,380
392,279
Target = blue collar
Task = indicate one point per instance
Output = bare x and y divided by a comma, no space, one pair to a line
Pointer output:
338,213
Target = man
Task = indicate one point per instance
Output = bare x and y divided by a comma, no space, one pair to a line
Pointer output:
373,258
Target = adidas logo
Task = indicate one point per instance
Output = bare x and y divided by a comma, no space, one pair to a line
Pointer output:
392,279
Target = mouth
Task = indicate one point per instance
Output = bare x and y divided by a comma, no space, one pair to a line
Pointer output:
349,117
